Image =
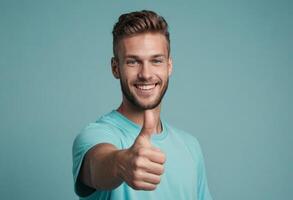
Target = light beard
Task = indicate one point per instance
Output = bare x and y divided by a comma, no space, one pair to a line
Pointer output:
131,98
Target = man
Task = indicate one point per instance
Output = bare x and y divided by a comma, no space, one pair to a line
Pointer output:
131,153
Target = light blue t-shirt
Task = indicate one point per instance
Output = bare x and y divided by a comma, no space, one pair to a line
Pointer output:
184,175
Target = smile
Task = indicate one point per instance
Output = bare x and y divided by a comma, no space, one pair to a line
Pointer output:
145,87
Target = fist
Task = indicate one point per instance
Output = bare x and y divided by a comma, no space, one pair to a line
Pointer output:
144,162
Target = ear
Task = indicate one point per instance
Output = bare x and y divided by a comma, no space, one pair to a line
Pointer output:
170,66
115,67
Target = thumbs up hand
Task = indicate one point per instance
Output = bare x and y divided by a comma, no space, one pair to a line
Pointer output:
141,165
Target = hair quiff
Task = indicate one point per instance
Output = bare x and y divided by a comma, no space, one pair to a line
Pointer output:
139,22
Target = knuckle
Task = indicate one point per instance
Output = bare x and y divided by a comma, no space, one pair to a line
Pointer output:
136,175
135,185
138,162
134,162
141,152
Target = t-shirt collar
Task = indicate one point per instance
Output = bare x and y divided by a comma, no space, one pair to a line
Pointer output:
135,128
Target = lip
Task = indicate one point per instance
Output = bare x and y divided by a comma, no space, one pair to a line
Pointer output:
145,89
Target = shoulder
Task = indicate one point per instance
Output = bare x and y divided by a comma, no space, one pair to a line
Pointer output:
97,132
101,126
95,128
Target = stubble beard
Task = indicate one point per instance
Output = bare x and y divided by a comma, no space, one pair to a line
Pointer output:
134,101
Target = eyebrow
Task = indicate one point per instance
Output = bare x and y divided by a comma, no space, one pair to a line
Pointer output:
153,56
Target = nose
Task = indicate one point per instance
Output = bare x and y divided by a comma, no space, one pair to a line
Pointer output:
144,72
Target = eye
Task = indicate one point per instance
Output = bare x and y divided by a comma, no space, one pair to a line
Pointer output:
157,61
131,62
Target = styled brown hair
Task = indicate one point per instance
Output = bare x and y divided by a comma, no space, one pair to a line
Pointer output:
139,22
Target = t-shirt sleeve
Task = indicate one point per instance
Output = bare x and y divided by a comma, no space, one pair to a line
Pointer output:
202,184
90,136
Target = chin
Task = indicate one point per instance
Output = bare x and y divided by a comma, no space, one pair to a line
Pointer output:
147,106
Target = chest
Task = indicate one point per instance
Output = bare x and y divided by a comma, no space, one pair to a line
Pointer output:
180,174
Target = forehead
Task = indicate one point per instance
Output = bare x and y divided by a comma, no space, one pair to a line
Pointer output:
143,45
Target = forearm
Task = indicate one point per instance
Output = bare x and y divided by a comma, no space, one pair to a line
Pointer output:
140,166
100,169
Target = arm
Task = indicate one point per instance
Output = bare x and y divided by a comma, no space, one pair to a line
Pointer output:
104,167
99,168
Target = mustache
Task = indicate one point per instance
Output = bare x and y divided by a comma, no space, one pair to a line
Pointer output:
146,82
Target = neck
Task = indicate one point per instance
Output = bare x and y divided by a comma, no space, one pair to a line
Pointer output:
136,115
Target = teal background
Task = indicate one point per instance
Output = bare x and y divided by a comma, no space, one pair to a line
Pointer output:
231,88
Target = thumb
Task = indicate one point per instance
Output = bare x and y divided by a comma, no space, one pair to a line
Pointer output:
149,124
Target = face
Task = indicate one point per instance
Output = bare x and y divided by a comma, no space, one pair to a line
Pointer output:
143,67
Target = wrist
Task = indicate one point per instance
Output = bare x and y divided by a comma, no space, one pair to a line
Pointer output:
120,166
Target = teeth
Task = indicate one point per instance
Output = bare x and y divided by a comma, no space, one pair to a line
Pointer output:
146,87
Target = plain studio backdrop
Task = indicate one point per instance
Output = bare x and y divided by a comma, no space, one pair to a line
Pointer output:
231,87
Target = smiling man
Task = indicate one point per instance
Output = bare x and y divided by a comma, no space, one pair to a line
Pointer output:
131,153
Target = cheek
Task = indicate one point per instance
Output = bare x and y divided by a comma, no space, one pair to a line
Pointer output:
130,75
164,75
126,80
